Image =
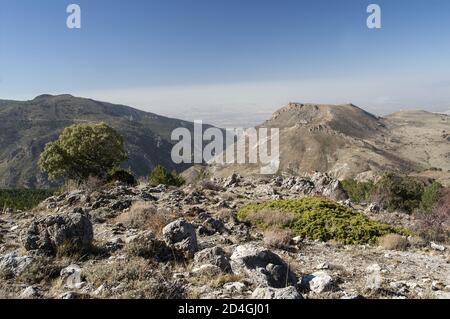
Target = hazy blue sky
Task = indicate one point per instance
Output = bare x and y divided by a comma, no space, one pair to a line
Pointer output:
225,60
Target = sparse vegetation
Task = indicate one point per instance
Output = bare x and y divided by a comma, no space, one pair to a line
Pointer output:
138,278
83,150
146,216
435,225
22,199
358,191
271,218
42,269
396,192
121,175
393,242
277,238
430,197
146,246
319,219
160,175
72,250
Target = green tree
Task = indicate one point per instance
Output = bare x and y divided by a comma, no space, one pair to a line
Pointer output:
83,150
160,175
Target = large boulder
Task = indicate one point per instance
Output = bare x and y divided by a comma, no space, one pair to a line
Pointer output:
274,293
263,267
213,256
180,236
47,233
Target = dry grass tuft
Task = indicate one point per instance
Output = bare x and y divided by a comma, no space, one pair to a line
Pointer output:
227,215
271,218
393,242
277,238
136,278
146,216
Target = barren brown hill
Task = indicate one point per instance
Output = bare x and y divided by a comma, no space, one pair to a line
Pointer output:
348,142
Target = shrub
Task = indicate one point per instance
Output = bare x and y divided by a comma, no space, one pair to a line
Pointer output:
393,242
146,216
147,246
160,175
121,175
83,150
358,191
435,225
430,196
320,219
395,192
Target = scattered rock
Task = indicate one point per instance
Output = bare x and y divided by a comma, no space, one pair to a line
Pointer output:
273,293
374,280
13,265
211,226
437,247
31,293
147,245
232,180
72,295
46,234
214,256
319,282
72,277
180,236
262,266
297,240
373,208
236,286
207,270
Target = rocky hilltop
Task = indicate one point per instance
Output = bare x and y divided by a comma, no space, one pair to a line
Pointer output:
191,242
348,142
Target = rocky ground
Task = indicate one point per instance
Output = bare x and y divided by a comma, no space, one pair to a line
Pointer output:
159,242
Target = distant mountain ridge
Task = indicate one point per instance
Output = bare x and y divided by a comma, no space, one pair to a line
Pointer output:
348,142
343,140
26,126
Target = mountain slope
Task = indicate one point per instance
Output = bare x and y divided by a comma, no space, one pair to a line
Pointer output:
347,141
25,128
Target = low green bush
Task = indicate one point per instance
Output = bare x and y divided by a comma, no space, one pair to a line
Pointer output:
120,175
396,192
358,191
399,192
161,176
316,218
